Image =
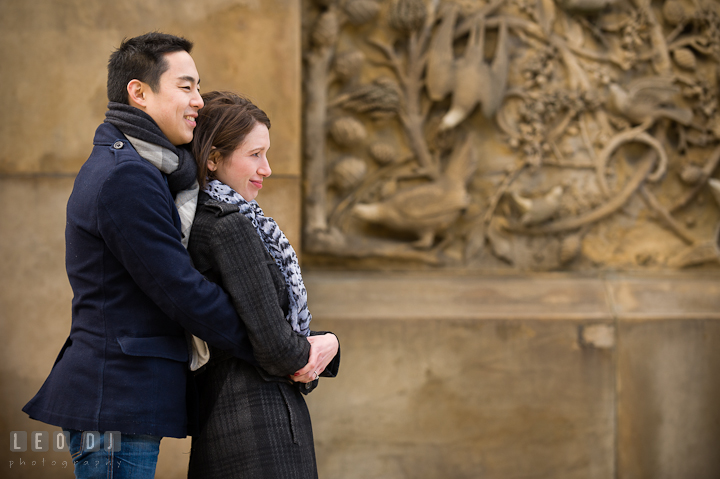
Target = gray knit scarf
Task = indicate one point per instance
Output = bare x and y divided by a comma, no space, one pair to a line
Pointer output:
178,165
279,248
152,145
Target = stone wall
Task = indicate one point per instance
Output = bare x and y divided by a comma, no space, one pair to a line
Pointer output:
542,376
444,373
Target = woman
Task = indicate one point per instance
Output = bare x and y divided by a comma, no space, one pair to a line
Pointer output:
253,418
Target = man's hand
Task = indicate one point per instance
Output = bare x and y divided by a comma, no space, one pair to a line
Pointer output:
323,349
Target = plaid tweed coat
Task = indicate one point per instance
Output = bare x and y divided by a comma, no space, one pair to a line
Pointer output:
253,421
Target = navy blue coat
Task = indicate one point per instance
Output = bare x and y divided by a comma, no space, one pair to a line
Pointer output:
124,366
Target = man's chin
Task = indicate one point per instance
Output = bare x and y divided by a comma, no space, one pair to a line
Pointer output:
183,140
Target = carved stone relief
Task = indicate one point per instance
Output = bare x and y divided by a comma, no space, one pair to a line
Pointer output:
517,134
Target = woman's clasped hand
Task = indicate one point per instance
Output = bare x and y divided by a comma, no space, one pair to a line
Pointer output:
323,348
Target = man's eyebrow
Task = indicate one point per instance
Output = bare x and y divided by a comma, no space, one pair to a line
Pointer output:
190,79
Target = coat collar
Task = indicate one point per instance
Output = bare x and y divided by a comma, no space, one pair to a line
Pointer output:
107,134
218,208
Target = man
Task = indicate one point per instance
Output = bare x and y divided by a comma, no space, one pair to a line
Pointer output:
124,366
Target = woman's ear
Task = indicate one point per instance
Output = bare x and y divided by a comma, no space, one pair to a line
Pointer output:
213,158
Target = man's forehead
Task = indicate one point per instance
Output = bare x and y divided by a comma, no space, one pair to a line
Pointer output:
181,67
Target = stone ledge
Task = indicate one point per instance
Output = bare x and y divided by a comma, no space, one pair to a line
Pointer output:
431,296
676,297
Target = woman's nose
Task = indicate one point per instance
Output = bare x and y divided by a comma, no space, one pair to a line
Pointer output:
265,168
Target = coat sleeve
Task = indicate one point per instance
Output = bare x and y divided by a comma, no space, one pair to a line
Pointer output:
136,218
239,256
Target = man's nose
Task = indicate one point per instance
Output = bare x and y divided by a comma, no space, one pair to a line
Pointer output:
197,100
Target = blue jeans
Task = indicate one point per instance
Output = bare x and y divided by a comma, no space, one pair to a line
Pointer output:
130,457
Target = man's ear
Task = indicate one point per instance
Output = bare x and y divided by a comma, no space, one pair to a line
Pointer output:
136,94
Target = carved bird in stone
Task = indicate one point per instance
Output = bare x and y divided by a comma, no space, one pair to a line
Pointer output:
492,89
440,71
470,70
537,210
430,208
647,99
477,81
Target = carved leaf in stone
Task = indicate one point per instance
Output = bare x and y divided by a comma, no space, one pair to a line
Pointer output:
360,11
674,12
326,29
685,59
691,174
407,16
348,64
348,172
348,131
585,6
383,153
380,99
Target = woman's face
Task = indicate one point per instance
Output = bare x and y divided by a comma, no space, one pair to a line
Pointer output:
248,165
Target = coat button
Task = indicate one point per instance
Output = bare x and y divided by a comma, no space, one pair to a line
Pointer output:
118,144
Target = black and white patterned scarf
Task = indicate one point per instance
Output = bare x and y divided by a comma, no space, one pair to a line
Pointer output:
279,248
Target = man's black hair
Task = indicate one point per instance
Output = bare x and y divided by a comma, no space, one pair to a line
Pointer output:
141,58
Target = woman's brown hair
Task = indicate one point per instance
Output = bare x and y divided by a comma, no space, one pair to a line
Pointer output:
222,125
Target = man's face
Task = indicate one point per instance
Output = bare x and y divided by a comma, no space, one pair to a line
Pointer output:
175,105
